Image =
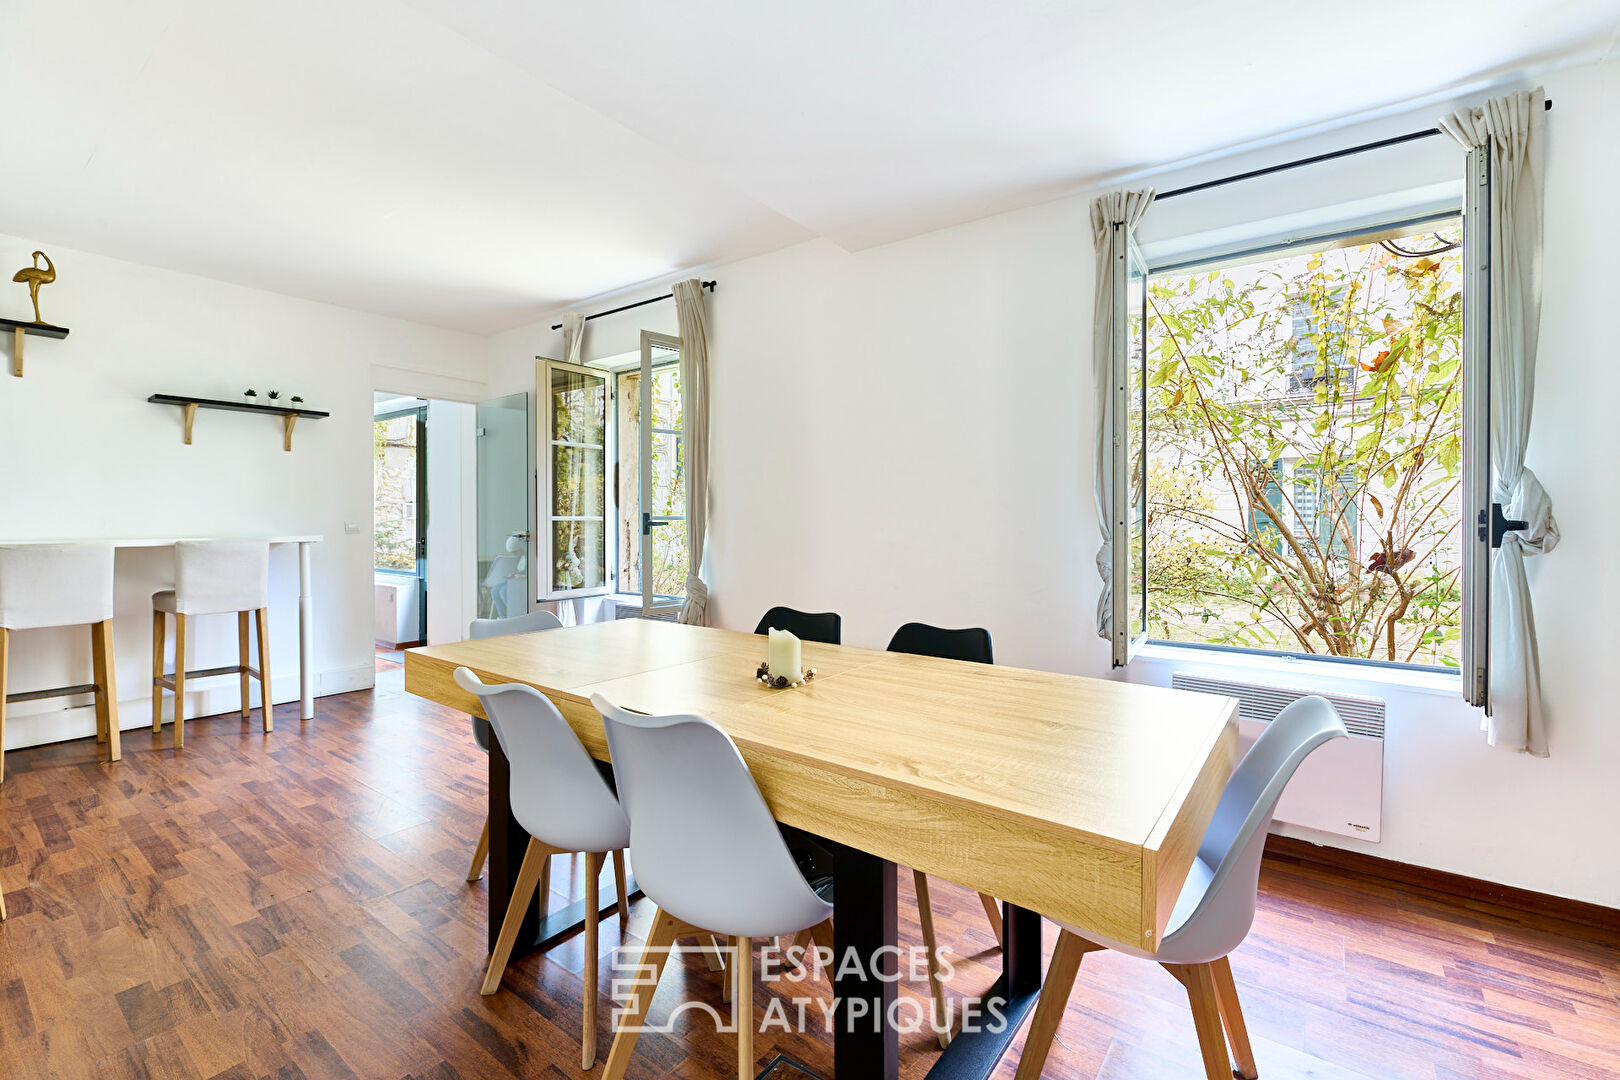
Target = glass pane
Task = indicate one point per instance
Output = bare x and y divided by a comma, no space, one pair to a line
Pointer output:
627,495
579,555
578,407
578,481
669,559
1304,453
394,493
666,396
505,491
668,476
1136,450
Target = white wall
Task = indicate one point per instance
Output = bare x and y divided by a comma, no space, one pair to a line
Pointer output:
906,433
85,455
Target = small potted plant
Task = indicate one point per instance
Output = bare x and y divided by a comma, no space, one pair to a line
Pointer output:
274,396
251,395
296,400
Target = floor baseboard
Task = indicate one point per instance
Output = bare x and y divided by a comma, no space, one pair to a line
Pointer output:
1545,905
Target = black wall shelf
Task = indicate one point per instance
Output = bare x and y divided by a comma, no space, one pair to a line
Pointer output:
289,414
20,330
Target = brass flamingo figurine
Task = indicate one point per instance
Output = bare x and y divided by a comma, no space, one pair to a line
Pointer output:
35,276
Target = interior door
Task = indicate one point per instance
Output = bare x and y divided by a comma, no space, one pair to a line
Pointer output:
662,475
505,505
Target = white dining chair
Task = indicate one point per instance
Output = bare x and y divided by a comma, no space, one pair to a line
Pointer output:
45,585
565,806
478,630
1213,914
707,852
213,577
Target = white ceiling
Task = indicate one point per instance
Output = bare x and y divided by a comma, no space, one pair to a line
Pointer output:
475,163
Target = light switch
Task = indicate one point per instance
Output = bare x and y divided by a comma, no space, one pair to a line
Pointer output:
351,527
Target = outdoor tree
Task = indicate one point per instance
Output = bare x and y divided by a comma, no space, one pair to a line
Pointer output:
1304,446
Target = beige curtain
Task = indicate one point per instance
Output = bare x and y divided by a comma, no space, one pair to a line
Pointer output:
1127,207
692,312
573,325
1511,128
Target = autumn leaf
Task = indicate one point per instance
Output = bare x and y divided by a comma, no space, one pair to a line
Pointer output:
1377,506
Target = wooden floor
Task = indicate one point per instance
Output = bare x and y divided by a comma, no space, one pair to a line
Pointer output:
293,906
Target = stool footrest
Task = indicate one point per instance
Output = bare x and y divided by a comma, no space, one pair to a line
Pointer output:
64,691
167,681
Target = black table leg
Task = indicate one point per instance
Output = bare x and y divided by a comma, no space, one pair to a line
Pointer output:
507,843
866,1044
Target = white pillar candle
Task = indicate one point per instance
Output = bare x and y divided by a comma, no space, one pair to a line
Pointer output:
783,654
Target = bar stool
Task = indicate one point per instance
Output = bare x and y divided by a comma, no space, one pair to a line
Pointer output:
212,577
45,585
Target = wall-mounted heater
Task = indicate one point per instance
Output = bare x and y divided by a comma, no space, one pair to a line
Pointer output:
1340,788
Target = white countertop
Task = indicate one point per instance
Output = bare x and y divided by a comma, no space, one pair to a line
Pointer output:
163,541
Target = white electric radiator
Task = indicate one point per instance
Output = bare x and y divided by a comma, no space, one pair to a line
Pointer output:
1340,788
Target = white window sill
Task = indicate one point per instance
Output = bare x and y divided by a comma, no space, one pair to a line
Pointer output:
1302,673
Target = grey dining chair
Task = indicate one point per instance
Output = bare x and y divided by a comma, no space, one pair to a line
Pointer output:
565,805
1213,914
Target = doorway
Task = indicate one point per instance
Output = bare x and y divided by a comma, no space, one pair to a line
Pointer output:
400,520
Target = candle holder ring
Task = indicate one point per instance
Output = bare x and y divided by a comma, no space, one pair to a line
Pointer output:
782,682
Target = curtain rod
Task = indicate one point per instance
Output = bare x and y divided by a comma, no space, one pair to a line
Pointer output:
639,303
1395,140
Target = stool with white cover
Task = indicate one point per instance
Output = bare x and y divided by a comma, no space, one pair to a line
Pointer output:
212,577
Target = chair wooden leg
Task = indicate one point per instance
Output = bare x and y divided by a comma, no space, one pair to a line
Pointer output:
1200,984
992,911
2,907
95,679
1054,999
1237,1032
936,989
650,970
179,680
535,859
714,956
593,904
160,630
742,1007
5,655
480,853
624,895
262,618
242,657
106,675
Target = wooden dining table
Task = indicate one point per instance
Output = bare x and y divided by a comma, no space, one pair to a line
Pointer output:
1083,800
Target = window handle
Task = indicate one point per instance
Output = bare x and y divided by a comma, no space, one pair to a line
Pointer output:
648,524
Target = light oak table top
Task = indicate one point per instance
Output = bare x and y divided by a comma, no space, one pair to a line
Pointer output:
1082,799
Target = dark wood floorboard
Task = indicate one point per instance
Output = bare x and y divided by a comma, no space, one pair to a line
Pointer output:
293,906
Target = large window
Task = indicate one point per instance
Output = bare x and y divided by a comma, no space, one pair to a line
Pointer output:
1296,420
615,478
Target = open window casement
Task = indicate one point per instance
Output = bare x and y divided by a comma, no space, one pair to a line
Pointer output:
1481,516
1127,407
661,468
573,467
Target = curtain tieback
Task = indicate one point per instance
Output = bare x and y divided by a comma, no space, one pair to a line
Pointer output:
1528,501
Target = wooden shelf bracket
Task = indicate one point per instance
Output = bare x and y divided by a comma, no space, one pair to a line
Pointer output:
189,405
22,330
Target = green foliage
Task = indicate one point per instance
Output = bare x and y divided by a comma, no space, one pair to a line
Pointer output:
1304,442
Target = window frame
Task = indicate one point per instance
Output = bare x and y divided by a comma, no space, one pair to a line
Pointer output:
546,446
654,603
1475,378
